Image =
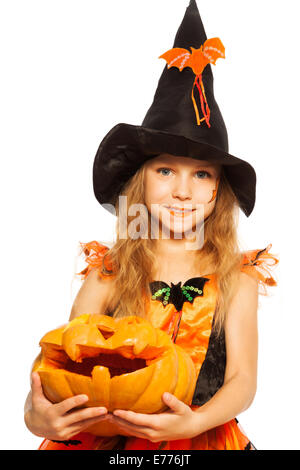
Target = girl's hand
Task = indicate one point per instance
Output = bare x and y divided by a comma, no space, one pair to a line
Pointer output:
58,421
180,422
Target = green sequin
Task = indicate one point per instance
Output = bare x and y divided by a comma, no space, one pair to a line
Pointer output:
167,292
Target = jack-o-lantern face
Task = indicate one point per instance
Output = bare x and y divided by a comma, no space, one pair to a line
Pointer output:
121,363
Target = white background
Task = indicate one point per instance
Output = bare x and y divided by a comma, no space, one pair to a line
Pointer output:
73,69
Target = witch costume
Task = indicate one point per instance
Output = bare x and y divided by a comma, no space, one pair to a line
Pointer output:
183,120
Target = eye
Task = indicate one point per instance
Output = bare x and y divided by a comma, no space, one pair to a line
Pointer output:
166,171
202,171
159,170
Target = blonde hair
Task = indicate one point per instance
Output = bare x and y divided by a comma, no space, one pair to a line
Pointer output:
133,259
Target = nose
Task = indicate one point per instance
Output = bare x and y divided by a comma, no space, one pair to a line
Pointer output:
181,188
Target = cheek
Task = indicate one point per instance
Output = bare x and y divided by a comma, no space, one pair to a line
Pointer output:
208,208
156,192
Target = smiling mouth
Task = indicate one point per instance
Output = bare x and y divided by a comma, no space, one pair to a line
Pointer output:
179,212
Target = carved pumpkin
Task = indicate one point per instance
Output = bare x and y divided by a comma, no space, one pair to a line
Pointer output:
122,363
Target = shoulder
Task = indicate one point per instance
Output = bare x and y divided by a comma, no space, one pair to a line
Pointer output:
247,283
245,299
96,292
94,296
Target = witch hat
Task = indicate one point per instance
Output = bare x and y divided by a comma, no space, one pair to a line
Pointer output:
179,121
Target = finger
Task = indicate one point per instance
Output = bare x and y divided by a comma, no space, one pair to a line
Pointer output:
174,403
35,381
78,416
36,387
69,403
82,425
132,429
138,419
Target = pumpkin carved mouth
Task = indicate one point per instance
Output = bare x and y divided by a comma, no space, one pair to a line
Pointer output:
116,364
122,363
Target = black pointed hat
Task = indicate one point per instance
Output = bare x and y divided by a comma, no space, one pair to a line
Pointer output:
179,121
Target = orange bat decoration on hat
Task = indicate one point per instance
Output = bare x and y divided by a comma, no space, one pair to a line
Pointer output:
209,52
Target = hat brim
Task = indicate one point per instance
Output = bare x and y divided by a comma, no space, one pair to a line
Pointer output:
127,147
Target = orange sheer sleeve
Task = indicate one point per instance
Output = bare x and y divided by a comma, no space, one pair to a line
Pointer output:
95,258
257,263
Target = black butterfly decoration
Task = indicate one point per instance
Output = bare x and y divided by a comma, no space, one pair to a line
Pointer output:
177,294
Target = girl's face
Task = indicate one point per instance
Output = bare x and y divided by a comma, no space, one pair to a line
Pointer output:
179,182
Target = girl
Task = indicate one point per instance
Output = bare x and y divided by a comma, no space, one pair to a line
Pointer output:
175,182
179,264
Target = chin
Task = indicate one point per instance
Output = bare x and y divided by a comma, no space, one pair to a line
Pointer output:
181,230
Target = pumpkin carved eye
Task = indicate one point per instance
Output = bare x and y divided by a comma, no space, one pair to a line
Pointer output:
105,333
122,363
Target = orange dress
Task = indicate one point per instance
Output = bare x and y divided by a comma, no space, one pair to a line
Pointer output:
186,312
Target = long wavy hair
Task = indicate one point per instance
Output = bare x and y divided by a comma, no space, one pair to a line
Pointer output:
134,259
